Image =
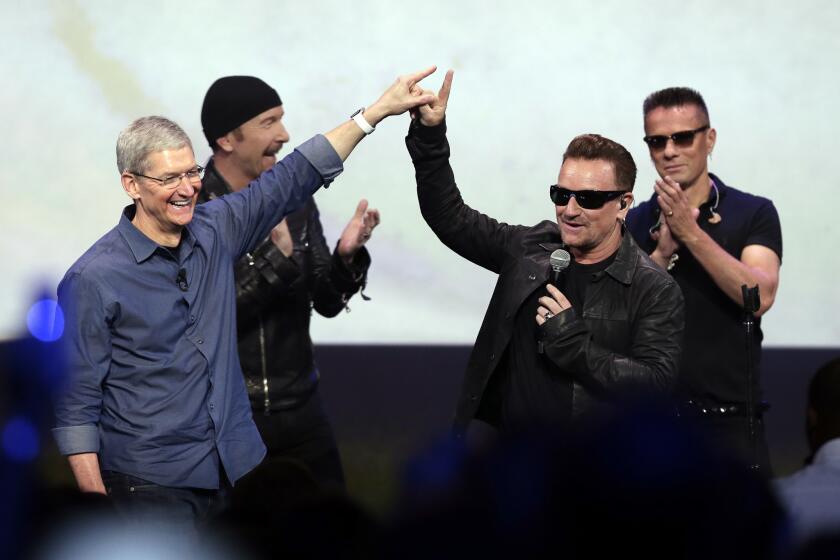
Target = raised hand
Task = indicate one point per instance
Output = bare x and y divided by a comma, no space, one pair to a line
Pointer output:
400,97
666,245
358,230
677,211
433,113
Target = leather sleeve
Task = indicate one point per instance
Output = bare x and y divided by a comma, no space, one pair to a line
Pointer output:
261,276
473,235
655,347
333,282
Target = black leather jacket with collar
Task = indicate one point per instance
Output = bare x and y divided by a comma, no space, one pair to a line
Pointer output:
627,337
275,296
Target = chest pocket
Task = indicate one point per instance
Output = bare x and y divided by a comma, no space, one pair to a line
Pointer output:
606,314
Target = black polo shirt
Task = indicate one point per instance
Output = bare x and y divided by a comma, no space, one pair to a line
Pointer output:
714,355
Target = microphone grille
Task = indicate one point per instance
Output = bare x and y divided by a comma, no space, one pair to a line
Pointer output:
559,260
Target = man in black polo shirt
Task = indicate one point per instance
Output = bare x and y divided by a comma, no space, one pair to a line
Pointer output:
713,239
547,352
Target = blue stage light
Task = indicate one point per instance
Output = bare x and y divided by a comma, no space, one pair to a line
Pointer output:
20,440
45,320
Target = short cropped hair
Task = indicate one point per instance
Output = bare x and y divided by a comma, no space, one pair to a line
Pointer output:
824,395
595,146
674,97
145,136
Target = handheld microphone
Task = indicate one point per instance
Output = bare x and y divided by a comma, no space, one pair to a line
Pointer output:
559,261
181,280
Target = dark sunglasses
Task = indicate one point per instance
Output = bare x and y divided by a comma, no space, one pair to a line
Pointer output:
589,200
683,139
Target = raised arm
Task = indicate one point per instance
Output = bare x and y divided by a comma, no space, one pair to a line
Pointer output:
473,235
248,215
400,97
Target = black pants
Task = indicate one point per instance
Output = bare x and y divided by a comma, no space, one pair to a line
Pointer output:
731,434
303,434
179,510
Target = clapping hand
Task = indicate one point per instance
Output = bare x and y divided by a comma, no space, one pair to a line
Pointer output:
358,230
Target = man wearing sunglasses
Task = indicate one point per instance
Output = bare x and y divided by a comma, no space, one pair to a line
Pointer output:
156,412
713,239
553,346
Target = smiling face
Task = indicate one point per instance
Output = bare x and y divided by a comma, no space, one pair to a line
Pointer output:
162,212
253,145
592,235
684,164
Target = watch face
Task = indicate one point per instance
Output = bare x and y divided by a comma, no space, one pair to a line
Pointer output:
357,112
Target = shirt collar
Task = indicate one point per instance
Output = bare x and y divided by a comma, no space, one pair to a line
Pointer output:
141,246
625,261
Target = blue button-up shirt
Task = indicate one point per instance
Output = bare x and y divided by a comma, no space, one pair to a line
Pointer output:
155,385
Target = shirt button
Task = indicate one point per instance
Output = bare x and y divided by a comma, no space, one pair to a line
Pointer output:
532,277
192,318
200,341
493,356
212,406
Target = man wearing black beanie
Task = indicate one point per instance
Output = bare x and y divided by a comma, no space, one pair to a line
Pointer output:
278,283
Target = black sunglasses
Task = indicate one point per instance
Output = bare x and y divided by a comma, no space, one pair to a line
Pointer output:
589,200
683,139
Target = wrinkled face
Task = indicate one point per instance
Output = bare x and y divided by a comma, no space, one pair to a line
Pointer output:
256,143
595,232
164,211
684,164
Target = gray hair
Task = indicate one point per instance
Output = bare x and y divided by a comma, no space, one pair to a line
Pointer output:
145,136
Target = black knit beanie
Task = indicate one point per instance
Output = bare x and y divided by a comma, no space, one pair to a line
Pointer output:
233,100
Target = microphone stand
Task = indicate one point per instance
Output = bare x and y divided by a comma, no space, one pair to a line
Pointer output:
752,302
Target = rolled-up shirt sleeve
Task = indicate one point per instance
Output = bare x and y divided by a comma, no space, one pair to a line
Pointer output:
244,218
88,346
319,152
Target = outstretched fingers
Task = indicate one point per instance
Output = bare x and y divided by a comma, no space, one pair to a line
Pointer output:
361,208
412,79
446,87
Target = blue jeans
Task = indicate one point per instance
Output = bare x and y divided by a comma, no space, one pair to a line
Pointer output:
180,510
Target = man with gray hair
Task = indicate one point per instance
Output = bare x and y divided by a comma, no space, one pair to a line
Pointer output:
156,413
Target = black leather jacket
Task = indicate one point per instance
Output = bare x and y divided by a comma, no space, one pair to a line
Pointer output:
628,335
274,300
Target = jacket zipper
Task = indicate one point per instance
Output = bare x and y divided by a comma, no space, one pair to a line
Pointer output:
267,400
263,366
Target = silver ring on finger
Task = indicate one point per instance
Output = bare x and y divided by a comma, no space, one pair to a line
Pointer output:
547,315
